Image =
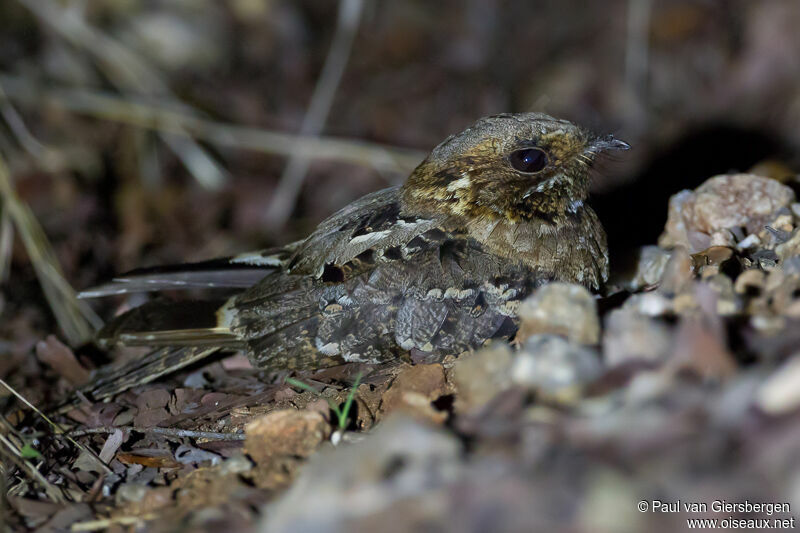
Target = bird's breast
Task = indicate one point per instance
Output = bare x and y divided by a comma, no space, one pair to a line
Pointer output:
570,248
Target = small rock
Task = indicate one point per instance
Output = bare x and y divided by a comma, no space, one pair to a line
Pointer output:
554,365
678,273
765,258
776,279
629,335
781,392
699,347
727,302
714,260
236,465
768,325
716,255
414,389
649,304
790,248
399,460
782,292
130,492
751,241
701,218
779,228
791,265
479,377
649,268
560,309
750,282
285,432
684,303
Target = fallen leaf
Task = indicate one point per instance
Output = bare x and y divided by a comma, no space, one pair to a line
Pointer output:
53,352
112,444
155,461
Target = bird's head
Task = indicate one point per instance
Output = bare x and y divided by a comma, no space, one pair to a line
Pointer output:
513,166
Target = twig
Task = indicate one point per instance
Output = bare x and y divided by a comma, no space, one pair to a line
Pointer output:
285,196
162,117
72,315
170,432
128,73
58,429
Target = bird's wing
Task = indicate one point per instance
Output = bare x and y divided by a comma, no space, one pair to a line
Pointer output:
433,290
366,229
372,222
371,282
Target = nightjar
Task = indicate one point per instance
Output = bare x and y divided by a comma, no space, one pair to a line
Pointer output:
436,266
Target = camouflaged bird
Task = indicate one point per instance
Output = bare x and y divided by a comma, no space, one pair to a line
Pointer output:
436,266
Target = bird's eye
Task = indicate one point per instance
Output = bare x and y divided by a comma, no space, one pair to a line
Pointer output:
528,160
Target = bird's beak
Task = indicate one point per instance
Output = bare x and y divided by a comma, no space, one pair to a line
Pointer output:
604,144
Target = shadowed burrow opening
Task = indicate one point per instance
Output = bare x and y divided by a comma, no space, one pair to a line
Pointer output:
634,213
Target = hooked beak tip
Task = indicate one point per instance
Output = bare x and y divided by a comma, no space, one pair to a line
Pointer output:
610,143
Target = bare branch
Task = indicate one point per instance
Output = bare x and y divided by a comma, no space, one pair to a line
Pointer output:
170,432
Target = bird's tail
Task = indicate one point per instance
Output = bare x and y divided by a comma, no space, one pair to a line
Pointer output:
163,323
231,273
183,332
114,379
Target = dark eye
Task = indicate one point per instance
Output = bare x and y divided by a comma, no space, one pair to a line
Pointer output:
528,160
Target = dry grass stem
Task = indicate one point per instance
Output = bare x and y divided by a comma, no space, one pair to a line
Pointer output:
56,428
128,73
75,318
14,454
163,116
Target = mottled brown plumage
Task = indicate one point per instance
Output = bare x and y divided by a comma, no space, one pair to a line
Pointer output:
436,266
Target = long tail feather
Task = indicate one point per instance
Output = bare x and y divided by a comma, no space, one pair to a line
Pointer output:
114,379
237,272
159,323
